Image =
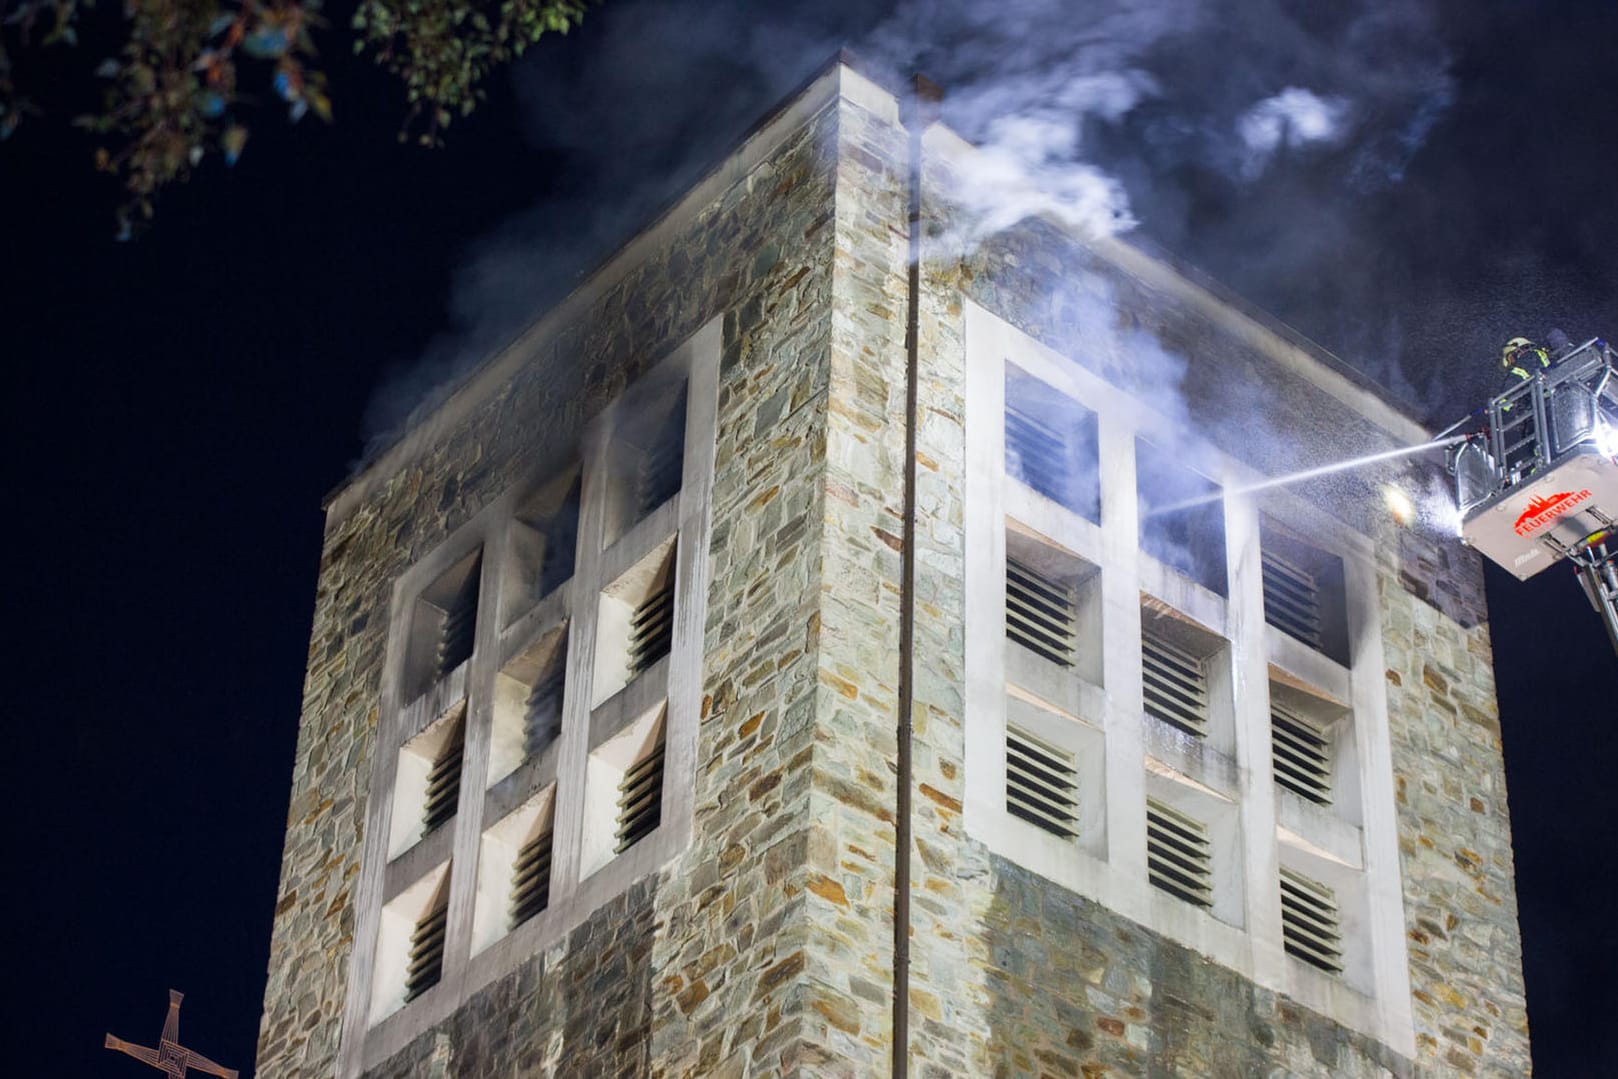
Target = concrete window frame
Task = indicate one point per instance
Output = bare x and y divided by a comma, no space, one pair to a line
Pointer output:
541,543
417,758
1085,745
1052,561
498,849
1229,777
539,666
1347,880
506,791
452,597
400,915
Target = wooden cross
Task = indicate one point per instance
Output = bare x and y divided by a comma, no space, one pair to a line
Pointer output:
170,1057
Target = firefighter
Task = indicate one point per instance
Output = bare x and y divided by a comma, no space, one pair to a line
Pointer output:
1521,360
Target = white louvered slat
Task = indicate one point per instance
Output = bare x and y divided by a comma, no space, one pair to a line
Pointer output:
444,778
531,879
1041,613
1291,599
426,963
1302,754
1175,684
651,628
542,717
640,799
1041,784
658,472
1311,928
1179,858
456,639
1036,454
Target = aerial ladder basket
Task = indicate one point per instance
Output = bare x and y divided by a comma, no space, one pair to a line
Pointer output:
1538,483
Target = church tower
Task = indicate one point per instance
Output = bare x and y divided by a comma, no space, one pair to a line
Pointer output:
831,629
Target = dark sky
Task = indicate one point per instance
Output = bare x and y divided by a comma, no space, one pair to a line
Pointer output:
177,407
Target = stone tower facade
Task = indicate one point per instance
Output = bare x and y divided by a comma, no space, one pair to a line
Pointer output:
790,647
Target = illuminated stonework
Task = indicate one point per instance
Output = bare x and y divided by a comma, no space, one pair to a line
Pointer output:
1109,872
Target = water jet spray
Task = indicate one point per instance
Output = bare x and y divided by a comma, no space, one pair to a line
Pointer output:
1308,474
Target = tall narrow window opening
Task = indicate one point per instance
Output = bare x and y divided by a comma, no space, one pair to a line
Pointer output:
1179,857
426,965
1182,517
531,878
1051,444
528,698
1041,784
444,778
640,799
544,540
658,470
1302,753
645,455
1311,928
427,780
1053,607
635,621
1291,599
1041,613
443,625
1304,592
1174,684
651,627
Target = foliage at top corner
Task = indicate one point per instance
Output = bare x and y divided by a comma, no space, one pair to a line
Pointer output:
442,49
186,76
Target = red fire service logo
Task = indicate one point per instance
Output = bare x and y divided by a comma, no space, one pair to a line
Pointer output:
1542,511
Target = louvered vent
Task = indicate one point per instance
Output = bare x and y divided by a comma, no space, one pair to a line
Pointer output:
1179,859
1036,454
640,799
455,640
1041,784
542,717
1291,599
1302,754
651,627
560,538
444,779
1175,684
1041,614
531,879
426,953
555,566
658,472
1310,926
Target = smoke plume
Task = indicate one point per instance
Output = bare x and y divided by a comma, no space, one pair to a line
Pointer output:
1270,142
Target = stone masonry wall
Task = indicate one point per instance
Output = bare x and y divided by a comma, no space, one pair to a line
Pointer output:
725,939
1012,975
1076,990
767,947
849,951
583,1008
1454,840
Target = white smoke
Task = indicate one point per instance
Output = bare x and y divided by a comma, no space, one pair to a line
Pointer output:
1118,115
1027,82
1027,168
1294,117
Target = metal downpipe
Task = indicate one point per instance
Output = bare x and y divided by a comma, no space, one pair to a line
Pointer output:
920,109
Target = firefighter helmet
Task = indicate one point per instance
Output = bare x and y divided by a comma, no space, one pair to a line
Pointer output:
1508,354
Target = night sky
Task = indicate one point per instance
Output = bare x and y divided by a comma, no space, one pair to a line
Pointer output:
177,407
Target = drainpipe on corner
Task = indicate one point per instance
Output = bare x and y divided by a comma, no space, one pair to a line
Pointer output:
919,110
